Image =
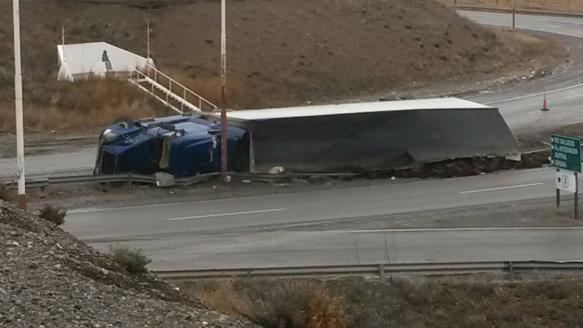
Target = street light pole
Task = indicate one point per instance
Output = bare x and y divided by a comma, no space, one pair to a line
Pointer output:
224,90
21,198
148,38
514,14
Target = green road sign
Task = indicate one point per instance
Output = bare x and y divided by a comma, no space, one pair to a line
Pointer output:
566,153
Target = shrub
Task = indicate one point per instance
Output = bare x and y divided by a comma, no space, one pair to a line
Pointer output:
324,311
221,296
133,260
294,304
53,214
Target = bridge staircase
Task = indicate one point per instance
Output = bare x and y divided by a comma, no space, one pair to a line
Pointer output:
169,92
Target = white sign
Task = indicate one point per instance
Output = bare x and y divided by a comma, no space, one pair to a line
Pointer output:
566,180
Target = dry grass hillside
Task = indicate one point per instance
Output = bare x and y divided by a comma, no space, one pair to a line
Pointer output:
471,301
280,52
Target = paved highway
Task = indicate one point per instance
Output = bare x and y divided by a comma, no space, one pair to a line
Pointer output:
282,229
305,208
520,104
78,162
305,248
570,26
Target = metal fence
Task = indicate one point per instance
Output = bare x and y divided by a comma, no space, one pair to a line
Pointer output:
380,271
131,178
557,6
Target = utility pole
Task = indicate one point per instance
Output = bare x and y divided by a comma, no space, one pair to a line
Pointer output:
513,14
63,42
148,39
21,198
224,90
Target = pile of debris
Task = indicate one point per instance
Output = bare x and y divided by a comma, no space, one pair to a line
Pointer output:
50,279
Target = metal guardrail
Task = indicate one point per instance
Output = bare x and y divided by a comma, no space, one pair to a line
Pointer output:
45,182
545,7
524,11
376,270
150,179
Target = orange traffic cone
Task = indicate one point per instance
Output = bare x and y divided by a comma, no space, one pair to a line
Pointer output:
545,103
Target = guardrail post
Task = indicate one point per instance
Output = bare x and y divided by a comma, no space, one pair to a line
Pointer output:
130,180
381,272
511,270
42,191
513,14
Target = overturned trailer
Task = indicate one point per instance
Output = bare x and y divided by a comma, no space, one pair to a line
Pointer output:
329,138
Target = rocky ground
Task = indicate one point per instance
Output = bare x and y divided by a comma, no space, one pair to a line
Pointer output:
50,279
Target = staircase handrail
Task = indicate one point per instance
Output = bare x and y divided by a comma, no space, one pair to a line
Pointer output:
156,73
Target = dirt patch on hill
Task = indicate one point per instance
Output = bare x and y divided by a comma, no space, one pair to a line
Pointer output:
280,52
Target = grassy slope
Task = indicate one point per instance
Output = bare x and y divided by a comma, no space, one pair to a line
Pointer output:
454,302
281,52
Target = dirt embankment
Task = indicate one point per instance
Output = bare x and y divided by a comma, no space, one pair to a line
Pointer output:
473,302
50,279
280,52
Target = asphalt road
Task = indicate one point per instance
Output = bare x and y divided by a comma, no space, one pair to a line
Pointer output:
520,104
78,162
306,248
283,229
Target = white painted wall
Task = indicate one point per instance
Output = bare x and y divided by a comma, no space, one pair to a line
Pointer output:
79,61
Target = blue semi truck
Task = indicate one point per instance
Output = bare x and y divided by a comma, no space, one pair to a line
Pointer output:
179,145
327,138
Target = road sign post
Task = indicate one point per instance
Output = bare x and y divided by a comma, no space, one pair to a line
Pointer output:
576,196
558,198
566,158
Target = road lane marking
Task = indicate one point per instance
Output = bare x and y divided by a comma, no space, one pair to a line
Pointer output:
171,204
502,188
227,214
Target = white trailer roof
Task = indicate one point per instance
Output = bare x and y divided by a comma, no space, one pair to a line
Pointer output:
355,108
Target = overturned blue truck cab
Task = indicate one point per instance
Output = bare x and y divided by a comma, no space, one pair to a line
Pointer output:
180,145
328,138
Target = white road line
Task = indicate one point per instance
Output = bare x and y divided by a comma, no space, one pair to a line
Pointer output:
575,228
227,214
502,188
171,204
